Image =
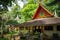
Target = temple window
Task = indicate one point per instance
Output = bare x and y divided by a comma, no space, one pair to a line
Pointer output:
21,28
58,27
48,27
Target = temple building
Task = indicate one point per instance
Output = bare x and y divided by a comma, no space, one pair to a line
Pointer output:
44,20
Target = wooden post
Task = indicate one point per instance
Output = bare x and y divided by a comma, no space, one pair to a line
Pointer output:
24,27
36,27
42,29
30,28
54,29
19,29
42,32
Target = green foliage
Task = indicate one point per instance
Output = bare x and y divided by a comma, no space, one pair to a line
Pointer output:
14,12
13,22
25,14
6,3
53,5
28,11
0,21
3,39
48,2
31,2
